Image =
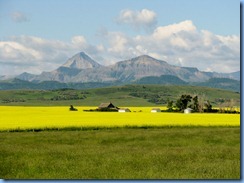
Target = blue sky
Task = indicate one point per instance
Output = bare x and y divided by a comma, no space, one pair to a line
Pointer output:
39,36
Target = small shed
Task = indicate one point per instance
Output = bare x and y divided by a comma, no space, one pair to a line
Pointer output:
155,110
124,110
188,110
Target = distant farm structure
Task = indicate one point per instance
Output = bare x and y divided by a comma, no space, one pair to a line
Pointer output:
155,110
108,105
124,110
104,107
188,110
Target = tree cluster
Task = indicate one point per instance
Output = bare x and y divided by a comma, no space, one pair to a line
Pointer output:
68,97
187,101
184,102
9,100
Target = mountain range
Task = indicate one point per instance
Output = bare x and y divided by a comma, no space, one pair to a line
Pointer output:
141,70
81,68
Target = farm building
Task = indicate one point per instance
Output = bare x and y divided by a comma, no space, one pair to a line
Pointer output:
188,110
155,110
107,107
124,110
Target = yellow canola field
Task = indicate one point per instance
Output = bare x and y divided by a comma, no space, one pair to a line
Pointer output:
13,117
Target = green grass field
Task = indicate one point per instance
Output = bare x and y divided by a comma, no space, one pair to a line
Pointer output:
136,145
155,153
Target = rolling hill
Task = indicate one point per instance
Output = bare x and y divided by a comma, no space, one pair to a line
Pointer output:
221,83
127,95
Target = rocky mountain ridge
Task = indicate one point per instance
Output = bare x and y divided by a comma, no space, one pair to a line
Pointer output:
81,68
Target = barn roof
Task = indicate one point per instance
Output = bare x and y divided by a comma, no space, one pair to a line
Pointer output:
106,105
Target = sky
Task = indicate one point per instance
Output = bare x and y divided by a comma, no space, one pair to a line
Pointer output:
38,36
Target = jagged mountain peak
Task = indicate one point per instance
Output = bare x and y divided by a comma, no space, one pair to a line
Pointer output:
26,76
81,61
144,60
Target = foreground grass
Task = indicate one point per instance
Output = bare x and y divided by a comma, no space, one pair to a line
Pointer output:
122,153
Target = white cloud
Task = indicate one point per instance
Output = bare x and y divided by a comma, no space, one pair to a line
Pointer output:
144,19
10,50
30,51
183,44
166,31
34,54
118,43
178,44
79,41
19,17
